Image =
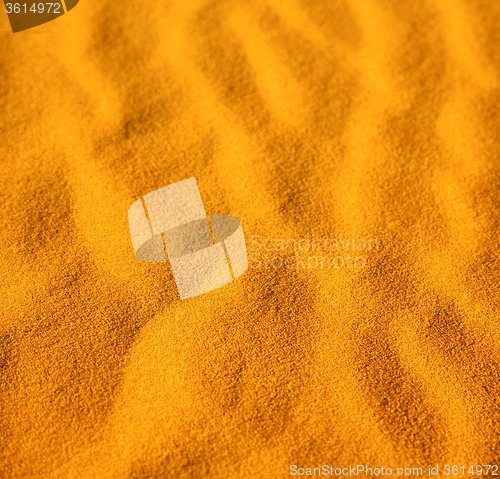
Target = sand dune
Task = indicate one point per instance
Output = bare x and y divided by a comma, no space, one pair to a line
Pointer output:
338,119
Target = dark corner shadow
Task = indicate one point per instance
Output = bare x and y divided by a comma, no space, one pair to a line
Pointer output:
29,14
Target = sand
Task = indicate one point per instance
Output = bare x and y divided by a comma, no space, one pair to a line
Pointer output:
362,119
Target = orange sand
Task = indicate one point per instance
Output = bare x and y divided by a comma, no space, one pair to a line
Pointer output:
365,118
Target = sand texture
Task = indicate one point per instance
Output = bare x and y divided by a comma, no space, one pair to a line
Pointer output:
364,119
